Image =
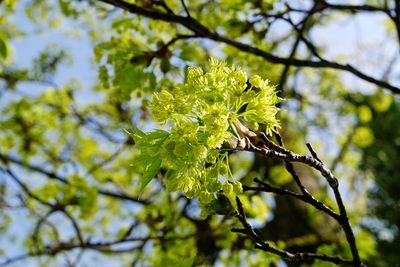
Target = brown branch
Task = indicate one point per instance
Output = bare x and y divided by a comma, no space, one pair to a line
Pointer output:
313,153
312,162
344,221
202,31
24,187
43,219
353,8
393,14
284,192
292,257
316,163
304,28
291,170
75,226
52,175
6,159
105,247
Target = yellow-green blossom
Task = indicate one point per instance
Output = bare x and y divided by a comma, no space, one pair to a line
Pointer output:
209,109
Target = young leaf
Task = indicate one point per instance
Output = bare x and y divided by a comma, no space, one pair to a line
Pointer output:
150,170
3,48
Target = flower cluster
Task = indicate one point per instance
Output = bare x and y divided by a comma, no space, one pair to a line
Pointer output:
207,112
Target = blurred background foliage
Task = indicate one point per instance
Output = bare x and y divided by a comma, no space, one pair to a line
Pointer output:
75,74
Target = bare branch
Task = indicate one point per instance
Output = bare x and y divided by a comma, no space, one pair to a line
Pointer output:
316,163
284,192
345,223
292,257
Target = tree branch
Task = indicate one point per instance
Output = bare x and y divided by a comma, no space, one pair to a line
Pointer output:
105,246
274,151
292,257
344,219
284,192
52,175
202,31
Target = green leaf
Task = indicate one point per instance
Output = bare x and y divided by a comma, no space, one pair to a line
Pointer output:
3,48
223,205
182,262
137,135
150,146
151,170
165,65
157,136
186,262
67,8
142,160
124,22
129,77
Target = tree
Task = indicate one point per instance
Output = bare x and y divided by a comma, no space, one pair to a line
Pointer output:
174,154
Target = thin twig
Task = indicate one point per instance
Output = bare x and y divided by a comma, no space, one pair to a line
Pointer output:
345,223
313,152
52,175
185,7
282,191
54,249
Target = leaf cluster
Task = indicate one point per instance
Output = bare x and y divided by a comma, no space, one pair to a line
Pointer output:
210,113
